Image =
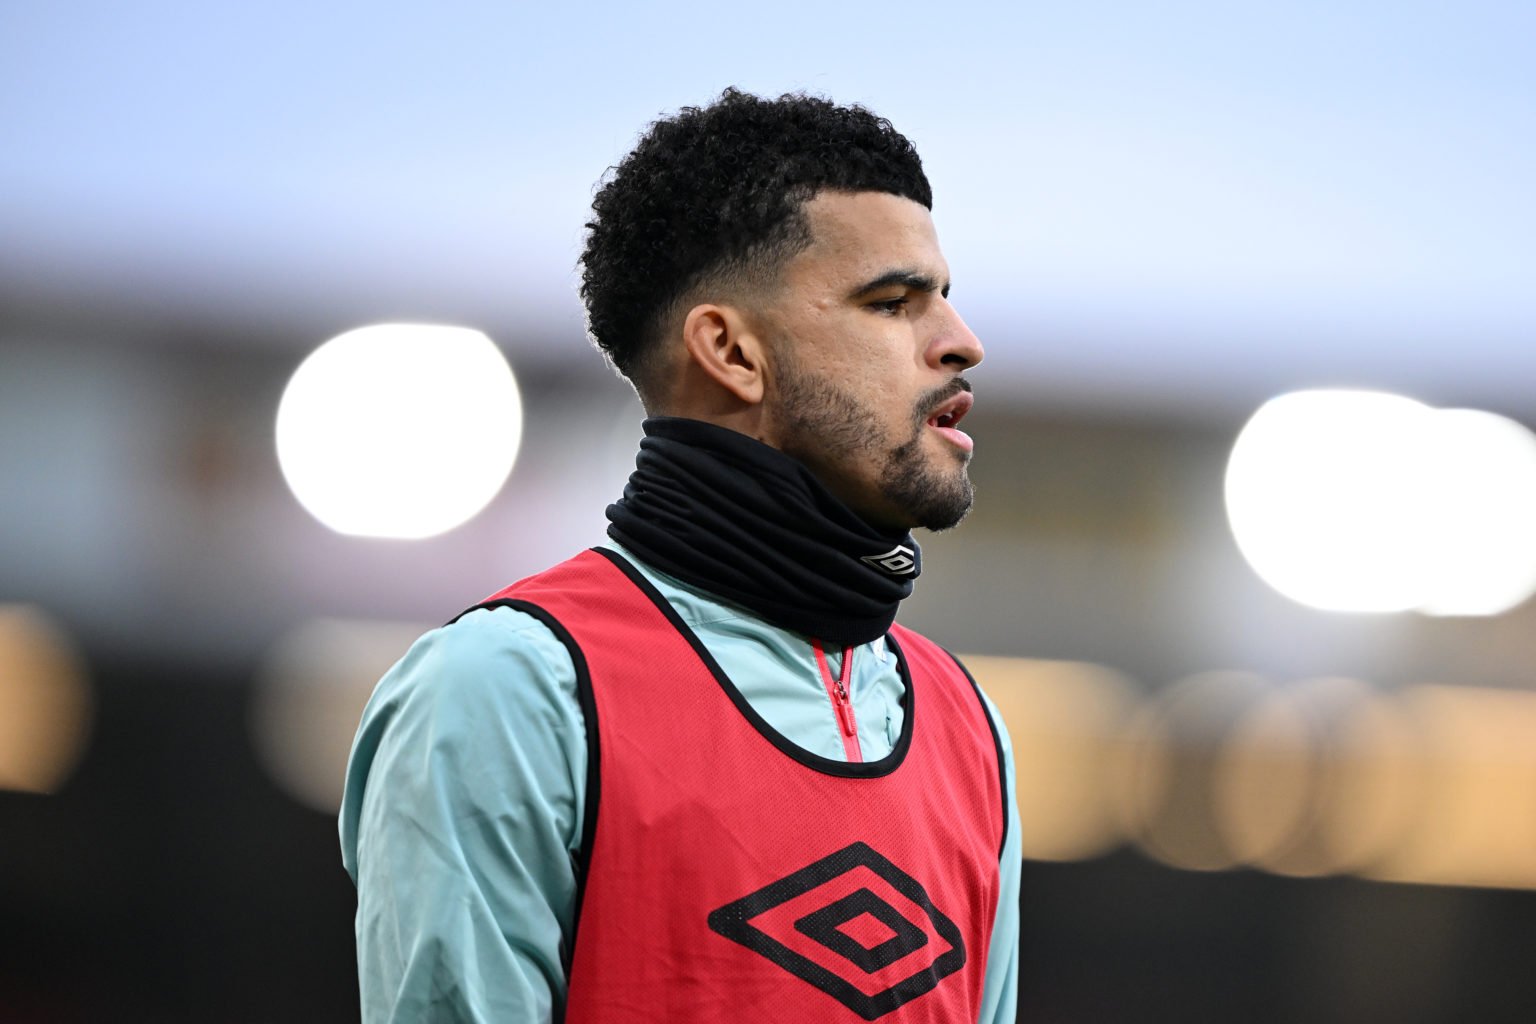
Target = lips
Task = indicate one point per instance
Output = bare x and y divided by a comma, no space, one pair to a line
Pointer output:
952,411
946,418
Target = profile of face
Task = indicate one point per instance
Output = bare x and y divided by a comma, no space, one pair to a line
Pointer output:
866,353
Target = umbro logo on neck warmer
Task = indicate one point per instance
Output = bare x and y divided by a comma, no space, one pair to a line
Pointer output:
899,561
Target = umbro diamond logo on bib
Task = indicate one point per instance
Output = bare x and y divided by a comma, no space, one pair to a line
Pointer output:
852,924
899,561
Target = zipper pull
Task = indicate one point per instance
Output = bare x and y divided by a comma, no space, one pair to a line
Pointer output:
837,694
845,715
844,704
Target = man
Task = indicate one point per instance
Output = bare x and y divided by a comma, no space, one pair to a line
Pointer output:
697,774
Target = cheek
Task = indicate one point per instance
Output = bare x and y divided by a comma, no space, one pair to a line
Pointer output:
869,358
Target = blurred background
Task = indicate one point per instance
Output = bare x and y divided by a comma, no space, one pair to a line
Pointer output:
1273,703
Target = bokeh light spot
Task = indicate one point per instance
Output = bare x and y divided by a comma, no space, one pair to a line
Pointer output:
310,694
1298,788
1167,787
1482,512
1062,718
1363,501
399,430
1474,822
45,702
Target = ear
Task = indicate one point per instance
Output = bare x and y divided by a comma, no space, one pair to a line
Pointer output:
723,345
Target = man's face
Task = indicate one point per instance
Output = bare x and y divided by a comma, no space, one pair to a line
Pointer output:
866,353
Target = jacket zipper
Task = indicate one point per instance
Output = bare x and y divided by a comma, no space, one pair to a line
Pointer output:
837,693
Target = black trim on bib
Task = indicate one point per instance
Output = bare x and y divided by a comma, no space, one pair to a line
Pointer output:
825,765
588,703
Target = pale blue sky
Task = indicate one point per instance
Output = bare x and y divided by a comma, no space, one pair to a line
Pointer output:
1217,196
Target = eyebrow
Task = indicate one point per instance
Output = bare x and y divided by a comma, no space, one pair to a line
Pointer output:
913,279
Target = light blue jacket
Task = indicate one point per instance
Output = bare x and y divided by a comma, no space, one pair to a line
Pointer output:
462,815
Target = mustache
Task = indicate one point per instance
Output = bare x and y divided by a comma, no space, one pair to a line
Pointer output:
930,402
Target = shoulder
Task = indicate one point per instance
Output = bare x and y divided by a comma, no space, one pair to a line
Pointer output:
959,671
490,682
946,665
918,650
488,659
492,689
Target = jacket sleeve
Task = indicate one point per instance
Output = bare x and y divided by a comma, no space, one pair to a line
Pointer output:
460,822
1000,994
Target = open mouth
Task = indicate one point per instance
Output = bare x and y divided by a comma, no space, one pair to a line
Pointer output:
946,419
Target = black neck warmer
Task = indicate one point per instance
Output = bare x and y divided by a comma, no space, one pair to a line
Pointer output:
733,516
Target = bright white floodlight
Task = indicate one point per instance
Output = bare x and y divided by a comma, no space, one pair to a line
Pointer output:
1321,495
399,430
1483,512
1370,502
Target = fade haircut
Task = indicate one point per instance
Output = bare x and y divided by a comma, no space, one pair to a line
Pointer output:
713,197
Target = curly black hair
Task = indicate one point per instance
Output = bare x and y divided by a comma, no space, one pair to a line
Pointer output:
715,194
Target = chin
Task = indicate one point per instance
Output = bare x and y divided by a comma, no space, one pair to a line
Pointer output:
947,518
936,502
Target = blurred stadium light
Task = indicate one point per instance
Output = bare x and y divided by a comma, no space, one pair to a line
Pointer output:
399,430
1169,776
1325,776
1285,775
309,697
1061,717
1364,501
45,702
1475,814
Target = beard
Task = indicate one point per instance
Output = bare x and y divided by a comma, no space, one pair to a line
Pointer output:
827,426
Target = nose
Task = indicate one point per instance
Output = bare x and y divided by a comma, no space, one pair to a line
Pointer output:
954,346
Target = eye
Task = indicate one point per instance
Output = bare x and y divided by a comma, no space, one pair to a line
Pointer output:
889,307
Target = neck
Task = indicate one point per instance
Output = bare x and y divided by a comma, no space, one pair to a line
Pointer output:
732,515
